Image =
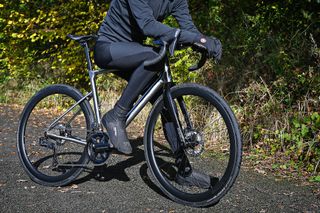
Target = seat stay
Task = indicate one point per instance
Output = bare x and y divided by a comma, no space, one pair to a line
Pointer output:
53,124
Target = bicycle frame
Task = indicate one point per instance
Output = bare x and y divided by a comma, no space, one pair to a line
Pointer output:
164,81
142,101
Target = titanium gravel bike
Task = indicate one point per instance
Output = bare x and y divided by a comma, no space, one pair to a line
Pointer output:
60,133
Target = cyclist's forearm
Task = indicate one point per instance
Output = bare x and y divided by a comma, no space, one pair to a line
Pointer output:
149,26
182,15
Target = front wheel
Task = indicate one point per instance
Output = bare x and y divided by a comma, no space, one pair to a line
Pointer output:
212,147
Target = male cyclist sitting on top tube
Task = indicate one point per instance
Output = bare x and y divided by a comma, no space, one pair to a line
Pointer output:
120,46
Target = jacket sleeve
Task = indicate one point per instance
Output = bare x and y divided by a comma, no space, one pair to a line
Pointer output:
189,33
149,26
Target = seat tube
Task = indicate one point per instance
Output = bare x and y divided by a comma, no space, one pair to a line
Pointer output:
92,76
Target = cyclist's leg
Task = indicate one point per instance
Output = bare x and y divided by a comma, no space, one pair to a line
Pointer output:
129,57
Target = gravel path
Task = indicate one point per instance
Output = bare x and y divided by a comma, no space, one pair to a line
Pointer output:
126,188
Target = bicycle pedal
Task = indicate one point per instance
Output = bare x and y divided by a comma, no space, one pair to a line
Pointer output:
102,147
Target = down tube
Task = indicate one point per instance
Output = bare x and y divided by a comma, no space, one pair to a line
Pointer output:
143,101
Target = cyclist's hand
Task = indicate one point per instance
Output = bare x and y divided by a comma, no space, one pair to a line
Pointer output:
213,46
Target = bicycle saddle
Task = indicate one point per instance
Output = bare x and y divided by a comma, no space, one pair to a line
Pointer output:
82,38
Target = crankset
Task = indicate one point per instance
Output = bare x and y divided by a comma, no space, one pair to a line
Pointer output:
99,148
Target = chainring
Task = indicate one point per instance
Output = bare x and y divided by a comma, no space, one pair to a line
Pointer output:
98,147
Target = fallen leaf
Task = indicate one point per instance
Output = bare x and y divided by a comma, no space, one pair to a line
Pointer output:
63,190
289,193
21,181
260,171
90,192
74,186
68,188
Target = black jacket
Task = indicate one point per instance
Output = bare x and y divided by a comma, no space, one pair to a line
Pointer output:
134,20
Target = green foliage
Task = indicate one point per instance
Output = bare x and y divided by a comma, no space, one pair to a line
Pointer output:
302,141
276,41
315,179
277,122
263,38
180,63
34,39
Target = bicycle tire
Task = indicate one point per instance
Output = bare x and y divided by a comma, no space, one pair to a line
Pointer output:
160,159
40,108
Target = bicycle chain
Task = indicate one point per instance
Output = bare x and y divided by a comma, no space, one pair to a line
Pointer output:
82,165
56,164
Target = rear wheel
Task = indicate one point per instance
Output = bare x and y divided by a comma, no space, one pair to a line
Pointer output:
212,147
51,160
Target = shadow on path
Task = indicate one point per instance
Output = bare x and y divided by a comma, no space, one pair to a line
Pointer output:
117,171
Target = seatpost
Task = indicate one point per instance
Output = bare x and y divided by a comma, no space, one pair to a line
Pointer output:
87,53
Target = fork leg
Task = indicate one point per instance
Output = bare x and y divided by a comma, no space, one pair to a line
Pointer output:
182,162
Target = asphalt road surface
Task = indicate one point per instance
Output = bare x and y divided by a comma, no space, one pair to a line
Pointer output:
124,186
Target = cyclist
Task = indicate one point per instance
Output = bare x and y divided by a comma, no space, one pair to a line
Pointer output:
120,46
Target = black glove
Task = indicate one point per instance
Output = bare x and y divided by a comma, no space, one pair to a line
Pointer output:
213,46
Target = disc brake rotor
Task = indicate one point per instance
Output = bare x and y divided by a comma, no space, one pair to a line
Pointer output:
194,142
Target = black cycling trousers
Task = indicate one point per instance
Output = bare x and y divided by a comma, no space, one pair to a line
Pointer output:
128,58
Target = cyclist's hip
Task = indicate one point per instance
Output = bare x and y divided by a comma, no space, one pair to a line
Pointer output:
122,55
